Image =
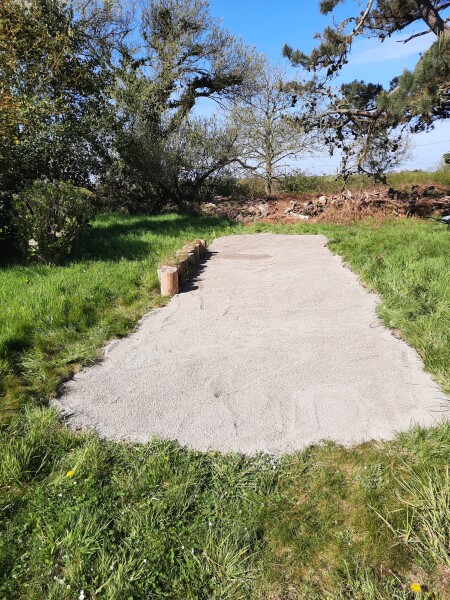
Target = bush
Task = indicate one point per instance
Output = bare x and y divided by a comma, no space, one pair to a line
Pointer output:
299,183
51,218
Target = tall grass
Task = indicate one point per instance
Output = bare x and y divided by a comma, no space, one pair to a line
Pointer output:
80,516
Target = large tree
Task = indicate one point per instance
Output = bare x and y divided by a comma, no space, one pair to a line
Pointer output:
56,73
415,99
266,136
184,55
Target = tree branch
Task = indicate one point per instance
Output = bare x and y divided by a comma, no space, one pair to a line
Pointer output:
353,112
432,18
363,18
416,35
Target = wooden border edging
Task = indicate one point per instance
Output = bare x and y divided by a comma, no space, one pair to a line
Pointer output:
186,259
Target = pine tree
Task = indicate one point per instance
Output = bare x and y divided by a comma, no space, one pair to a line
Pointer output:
415,100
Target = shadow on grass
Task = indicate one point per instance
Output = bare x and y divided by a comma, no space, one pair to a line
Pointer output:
115,237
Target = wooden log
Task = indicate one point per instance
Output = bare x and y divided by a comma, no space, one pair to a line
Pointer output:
196,248
183,266
168,278
191,257
202,246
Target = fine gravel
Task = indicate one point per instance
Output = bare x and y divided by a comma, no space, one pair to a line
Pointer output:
274,345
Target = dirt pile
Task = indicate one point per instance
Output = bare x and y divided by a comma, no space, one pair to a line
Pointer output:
380,202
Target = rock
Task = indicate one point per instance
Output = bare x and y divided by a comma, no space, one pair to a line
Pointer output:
263,209
253,210
322,200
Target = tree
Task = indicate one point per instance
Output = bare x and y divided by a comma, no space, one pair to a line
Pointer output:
177,168
267,137
370,147
56,73
416,99
184,54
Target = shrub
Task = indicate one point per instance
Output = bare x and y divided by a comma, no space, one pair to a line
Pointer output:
6,229
51,218
299,183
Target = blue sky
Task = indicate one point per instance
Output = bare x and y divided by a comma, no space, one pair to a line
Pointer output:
268,24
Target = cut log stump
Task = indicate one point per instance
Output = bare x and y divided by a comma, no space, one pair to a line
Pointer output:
197,251
183,266
191,257
168,278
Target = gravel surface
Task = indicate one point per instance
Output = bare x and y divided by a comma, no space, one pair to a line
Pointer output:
274,346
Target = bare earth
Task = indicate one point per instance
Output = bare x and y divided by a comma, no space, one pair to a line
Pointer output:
276,346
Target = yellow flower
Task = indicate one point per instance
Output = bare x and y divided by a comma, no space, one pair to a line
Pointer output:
70,473
166,458
416,587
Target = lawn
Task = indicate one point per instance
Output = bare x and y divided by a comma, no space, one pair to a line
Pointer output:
85,518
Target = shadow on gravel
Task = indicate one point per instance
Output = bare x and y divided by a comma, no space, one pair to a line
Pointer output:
190,283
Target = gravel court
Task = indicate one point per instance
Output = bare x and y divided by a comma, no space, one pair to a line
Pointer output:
275,345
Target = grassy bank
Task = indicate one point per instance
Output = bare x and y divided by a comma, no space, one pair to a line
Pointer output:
329,184
158,521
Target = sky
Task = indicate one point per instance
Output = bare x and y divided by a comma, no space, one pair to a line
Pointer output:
269,24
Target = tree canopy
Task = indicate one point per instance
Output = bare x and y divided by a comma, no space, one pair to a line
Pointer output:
415,99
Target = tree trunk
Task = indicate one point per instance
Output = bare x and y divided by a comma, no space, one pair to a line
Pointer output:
432,18
269,175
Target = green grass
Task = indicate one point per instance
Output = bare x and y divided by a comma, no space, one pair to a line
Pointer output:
54,318
160,521
328,184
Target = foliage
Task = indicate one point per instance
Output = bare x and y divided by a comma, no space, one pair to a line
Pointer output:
298,183
164,154
427,500
179,168
416,99
121,521
157,520
56,72
51,218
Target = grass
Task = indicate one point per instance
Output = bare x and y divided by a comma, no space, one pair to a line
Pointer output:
54,318
329,184
160,521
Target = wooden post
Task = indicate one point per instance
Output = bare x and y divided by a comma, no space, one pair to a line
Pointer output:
168,278
183,266
201,246
197,251
192,248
